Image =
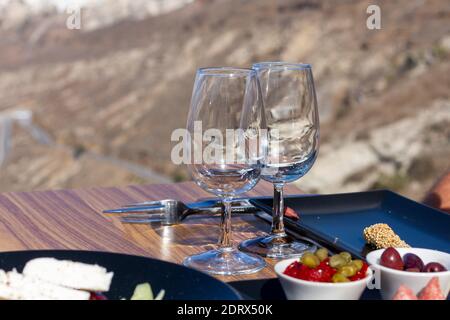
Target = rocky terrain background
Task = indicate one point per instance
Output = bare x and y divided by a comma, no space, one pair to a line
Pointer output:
109,95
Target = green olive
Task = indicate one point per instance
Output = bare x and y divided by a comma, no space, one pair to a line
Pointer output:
347,256
338,277
310,260
322,254
347,270
357,263
337,261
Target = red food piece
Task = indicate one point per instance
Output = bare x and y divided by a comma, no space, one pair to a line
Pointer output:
290,213
404,293
327,271
97,296
432,291
322,273
303,272
434,267
391,259
293,269
412,261
315,274
361,274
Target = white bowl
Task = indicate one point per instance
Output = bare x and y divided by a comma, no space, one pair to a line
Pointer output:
391,279
297,289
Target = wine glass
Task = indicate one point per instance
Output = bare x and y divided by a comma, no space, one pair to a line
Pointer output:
226,125
293,142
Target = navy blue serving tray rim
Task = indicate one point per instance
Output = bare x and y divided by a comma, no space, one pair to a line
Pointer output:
255,200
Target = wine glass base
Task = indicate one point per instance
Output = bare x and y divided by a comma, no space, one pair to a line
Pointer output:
225,262
277,246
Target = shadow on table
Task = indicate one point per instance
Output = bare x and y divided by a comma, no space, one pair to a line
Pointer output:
270,289
187,234
201,234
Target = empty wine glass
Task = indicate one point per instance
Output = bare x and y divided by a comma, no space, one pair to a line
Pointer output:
293,142
226,125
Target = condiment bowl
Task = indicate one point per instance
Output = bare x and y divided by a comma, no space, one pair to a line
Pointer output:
297,289
391,279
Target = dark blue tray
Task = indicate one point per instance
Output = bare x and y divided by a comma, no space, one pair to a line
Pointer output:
337,220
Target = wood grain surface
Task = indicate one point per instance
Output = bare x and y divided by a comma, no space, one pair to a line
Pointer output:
73,219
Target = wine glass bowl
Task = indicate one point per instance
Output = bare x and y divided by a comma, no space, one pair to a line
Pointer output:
226,181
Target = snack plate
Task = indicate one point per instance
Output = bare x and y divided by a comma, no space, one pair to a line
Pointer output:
179,282
337,221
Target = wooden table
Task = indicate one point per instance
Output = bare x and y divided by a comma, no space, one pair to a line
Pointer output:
72,219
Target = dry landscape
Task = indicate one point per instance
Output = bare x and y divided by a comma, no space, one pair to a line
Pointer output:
109,96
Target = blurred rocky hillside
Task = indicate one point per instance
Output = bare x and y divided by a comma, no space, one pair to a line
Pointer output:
16,14
110,95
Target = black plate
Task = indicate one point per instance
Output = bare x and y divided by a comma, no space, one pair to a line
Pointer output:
180,283
337,220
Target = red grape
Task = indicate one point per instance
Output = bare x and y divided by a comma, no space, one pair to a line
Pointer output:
391,259
412,261
434,267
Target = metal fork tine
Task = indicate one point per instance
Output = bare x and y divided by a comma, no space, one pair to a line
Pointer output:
145,203
144,216
139,221
144,209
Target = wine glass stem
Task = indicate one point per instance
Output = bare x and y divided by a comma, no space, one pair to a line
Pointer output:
225,240
278,210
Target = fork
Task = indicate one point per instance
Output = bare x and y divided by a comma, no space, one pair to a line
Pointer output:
171,212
